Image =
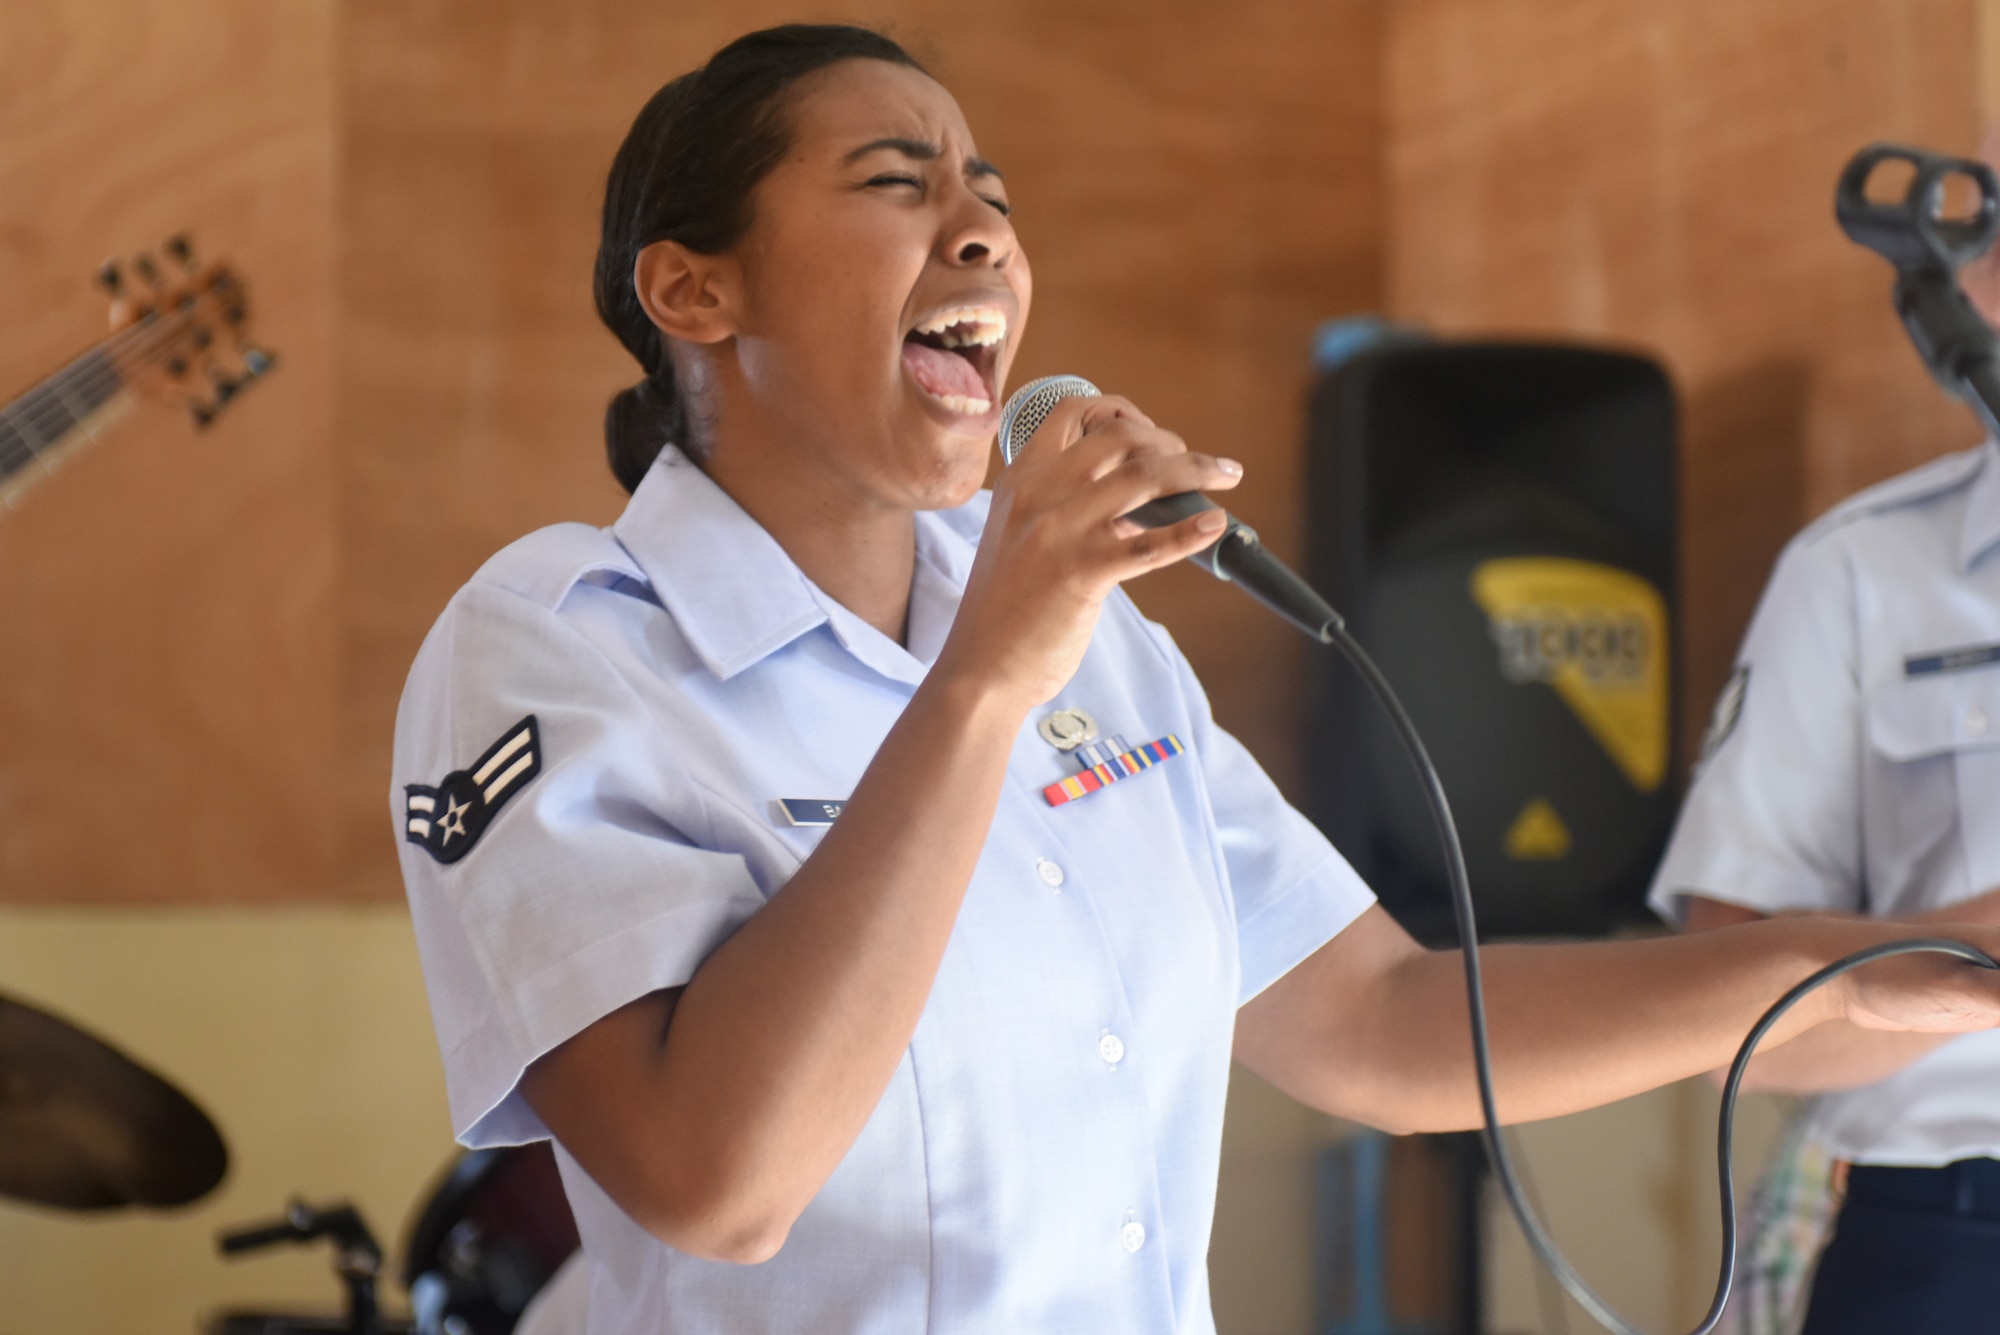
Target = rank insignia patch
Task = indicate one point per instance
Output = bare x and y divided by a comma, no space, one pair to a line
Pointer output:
1728,713
448,819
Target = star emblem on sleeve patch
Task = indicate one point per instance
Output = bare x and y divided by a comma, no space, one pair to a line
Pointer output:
448,819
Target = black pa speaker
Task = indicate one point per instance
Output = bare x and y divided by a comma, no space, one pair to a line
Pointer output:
1497,521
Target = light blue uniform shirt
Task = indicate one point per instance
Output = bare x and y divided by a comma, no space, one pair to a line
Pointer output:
1045,1157
1854,766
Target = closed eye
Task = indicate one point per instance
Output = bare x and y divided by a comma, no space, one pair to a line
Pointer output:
1005,209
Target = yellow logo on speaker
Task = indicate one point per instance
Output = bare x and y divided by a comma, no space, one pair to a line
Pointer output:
1537,834
1598,636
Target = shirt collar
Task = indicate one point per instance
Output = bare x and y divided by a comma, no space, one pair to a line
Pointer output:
729,586
738,597
1981,528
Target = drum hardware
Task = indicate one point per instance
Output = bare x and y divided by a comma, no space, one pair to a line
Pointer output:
85,1127
357,1258
493,1229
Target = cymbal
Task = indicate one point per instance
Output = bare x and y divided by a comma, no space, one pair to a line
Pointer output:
84,1127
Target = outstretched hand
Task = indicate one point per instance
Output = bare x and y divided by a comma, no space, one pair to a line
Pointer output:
1935,994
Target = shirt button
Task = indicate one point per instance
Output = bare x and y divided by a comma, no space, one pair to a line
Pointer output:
1111,1048
1051,874
1975,721
1133,1235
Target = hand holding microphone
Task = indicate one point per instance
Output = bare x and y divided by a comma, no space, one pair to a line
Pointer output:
1055,548
1236,555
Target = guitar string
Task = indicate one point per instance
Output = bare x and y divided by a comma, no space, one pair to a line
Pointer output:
41,417
118,353
126,350
153,327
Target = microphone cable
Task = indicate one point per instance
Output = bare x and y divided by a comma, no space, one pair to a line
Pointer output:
1335,633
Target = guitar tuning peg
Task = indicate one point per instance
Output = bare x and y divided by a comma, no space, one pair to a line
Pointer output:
181,250
147,269
110,277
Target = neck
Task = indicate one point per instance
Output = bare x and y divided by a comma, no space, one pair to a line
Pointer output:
859,549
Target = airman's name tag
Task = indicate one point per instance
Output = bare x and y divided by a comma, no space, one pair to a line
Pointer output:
810,810
1952,660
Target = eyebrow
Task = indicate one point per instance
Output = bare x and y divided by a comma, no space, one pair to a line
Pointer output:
922,151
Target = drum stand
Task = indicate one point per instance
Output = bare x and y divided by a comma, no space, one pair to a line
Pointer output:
357,1256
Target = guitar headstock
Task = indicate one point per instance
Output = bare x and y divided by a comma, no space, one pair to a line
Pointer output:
182,335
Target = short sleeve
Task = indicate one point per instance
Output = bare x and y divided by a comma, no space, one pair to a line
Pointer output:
1773,820
1291,889
588,887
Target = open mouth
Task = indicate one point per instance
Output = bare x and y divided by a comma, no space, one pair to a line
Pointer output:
951,356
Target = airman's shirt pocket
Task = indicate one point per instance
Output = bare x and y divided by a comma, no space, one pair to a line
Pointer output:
1935,739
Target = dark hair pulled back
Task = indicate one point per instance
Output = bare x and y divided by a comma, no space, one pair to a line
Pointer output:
686,173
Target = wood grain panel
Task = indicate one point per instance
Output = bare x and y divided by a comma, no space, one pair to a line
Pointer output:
1660,173
1197,187
168,651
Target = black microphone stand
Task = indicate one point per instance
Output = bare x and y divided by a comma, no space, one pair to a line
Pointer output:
1928,249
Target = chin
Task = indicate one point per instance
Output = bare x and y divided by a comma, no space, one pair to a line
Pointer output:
954,474
942,465
954,486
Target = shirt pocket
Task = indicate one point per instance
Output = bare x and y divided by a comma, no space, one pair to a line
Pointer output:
1940,738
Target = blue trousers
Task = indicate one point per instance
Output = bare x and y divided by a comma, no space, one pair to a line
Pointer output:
1914,1250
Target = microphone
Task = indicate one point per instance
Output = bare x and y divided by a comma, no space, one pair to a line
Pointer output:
1237,557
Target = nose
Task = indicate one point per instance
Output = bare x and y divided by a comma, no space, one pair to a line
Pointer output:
977,234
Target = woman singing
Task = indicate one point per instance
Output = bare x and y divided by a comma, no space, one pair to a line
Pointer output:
730,834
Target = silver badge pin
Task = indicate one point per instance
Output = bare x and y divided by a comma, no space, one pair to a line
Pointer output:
1067,729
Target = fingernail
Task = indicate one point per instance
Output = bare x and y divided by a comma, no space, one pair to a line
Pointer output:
1210,521
1229,466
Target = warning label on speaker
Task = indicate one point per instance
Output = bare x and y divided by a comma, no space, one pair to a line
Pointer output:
1595,634
1538,834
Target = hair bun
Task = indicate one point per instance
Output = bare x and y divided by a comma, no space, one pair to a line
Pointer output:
638,423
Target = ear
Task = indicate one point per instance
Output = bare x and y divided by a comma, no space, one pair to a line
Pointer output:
689,296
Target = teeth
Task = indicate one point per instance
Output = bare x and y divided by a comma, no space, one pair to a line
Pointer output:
964,404
967,326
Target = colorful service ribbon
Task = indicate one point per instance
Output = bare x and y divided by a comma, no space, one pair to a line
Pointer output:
1111,771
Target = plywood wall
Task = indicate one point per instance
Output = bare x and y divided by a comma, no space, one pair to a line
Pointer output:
1660,173
167,647
206,635
202,669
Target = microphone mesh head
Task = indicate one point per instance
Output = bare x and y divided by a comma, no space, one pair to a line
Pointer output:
1030,405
